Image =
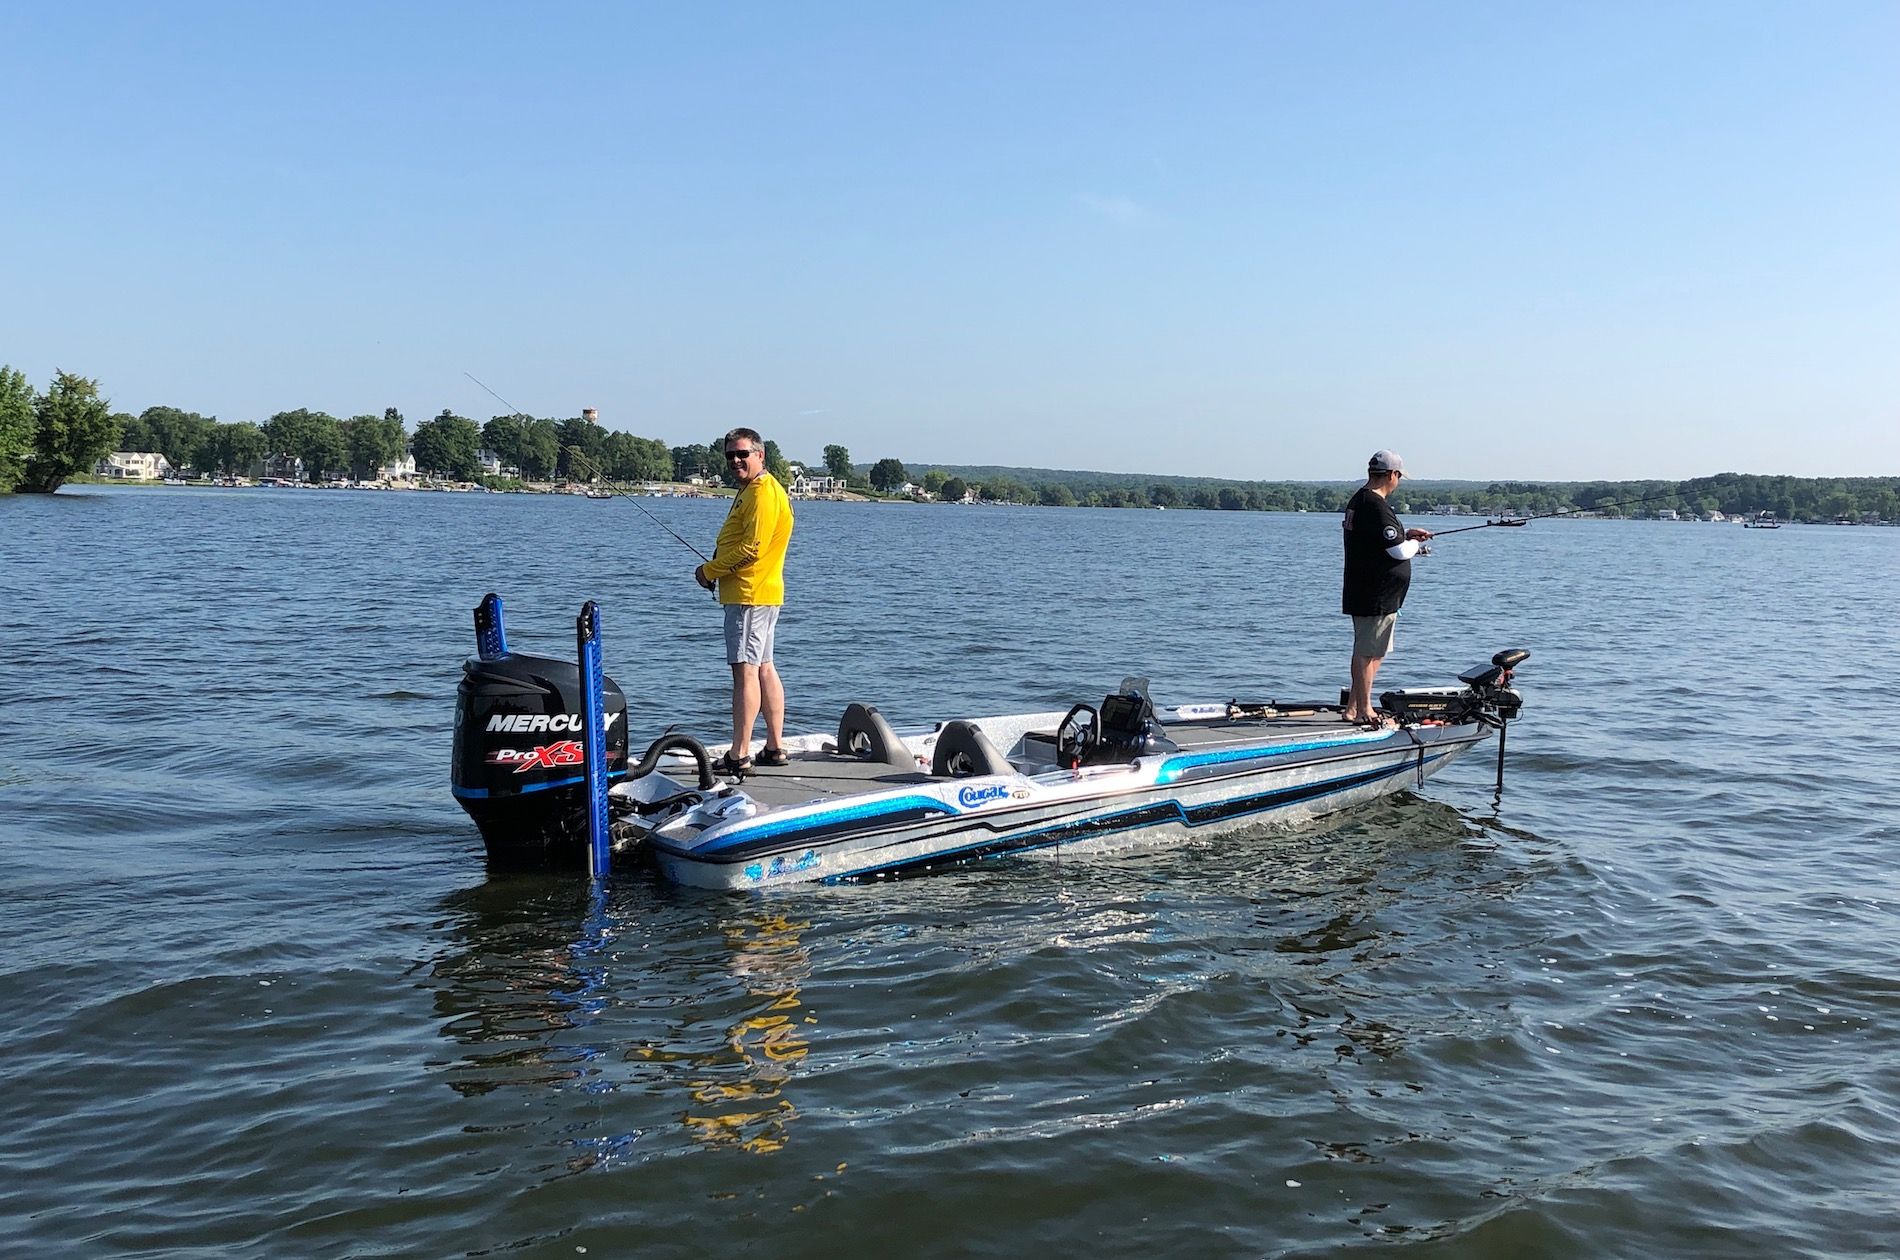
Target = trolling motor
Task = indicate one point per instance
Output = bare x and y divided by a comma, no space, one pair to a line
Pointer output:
1486,698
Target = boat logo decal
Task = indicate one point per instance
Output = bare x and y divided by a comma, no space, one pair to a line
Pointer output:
971,797
781,865
569,752
536,723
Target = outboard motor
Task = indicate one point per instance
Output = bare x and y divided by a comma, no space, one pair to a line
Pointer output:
520,749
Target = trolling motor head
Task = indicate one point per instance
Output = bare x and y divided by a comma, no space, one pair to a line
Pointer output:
1493,682
1486,696
520,749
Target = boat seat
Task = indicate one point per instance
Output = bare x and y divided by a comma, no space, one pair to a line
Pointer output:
863,732
963,751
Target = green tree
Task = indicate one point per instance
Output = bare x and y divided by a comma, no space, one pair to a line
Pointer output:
373,442
502,435
133,434
17,423
315,437
175,434
888,474
73,431
1162,494
450,446
838,462
231,449
934,479
953,490
776,463
690,461
579,434
1055,494
540,449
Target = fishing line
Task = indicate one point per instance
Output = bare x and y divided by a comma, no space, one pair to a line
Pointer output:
1544,516
575,452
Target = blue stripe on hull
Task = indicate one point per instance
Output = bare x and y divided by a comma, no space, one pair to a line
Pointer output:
1140,818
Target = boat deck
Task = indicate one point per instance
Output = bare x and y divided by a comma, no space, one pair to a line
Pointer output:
818,775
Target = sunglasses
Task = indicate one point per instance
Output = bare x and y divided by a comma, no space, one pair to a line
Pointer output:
739,455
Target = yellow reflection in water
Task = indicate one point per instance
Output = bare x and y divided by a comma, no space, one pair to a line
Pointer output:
744,1105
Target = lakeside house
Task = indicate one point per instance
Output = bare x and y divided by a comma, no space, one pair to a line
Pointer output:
806,486
491,464
399,470
134,466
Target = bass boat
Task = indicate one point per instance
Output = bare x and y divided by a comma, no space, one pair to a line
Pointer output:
541,765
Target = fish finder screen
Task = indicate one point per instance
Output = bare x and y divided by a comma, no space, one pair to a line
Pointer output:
1121,715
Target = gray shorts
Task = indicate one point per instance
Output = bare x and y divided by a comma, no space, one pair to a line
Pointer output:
750,629
1372,636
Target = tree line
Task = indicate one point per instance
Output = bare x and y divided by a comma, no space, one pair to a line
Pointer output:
47,438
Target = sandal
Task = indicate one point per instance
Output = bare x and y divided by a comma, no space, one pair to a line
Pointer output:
726,763
774,757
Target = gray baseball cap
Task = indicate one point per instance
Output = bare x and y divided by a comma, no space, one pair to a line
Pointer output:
1385,461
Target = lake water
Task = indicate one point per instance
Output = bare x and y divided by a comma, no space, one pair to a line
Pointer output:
262,998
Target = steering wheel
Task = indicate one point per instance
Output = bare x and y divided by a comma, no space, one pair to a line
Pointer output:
1080,731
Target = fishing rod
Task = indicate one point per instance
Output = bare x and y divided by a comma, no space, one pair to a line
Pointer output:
575,452
1544,516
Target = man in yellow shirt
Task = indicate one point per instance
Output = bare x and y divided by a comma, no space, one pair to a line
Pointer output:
748,569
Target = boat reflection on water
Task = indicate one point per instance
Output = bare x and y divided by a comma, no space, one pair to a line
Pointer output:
556,985
737,1087
1353,912
526,984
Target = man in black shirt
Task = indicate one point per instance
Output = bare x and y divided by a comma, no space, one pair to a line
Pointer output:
1379,555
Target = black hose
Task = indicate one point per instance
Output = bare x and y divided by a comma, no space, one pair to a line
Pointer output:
667,743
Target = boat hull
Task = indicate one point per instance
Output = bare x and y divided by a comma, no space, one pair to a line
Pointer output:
1153,799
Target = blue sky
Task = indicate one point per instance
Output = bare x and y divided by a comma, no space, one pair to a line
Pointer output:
1556,241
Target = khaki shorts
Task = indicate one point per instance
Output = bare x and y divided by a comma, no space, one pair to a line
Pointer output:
1372,636
750,630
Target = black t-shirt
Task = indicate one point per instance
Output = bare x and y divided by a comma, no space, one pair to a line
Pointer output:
1375,582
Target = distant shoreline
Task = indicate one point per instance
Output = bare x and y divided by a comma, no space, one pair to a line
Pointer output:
686,490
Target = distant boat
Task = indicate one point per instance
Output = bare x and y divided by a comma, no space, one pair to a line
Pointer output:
1763,520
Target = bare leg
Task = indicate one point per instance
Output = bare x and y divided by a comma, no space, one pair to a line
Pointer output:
1364,670
745,707
772,702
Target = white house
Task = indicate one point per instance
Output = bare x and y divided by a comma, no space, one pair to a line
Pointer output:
134,466
807,486
403,469
492,465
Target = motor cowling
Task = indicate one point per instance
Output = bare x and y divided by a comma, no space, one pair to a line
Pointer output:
520,748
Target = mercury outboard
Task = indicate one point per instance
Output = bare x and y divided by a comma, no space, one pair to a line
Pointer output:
520,748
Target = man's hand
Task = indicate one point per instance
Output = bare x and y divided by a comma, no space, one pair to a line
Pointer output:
1419,535
699,576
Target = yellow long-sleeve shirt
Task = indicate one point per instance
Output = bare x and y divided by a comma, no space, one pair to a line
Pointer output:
748,560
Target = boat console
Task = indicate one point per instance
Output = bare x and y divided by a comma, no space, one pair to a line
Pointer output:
1122,729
